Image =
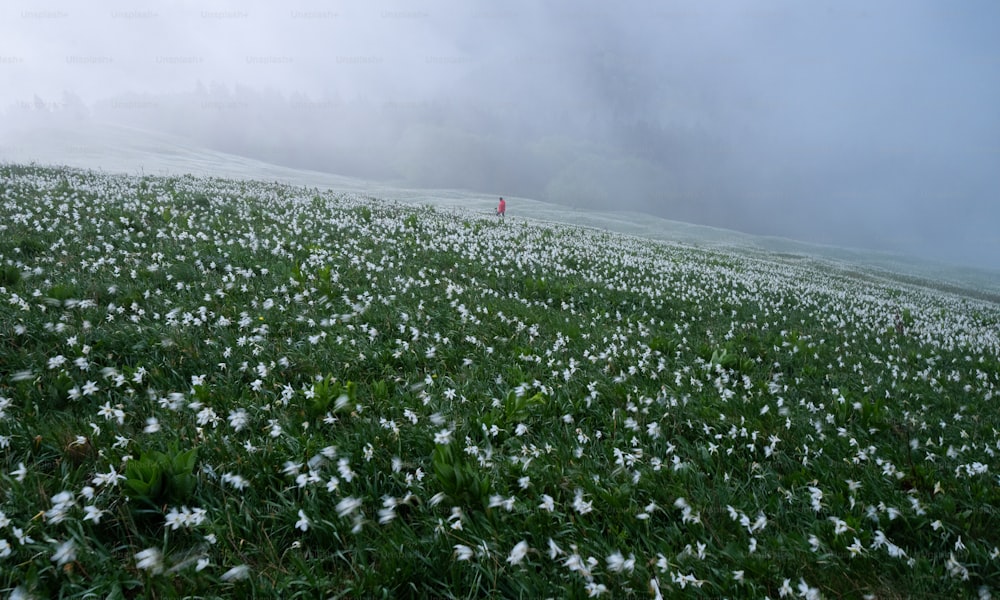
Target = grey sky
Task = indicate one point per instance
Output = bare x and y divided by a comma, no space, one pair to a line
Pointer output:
859,123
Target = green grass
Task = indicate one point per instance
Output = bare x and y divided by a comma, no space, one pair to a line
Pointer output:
221,388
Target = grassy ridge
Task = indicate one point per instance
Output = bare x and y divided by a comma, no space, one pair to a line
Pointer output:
213,387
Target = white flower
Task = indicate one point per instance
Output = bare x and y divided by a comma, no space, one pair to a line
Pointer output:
61,503
554,550
839,525
207,416
456,518
956,569
237,573
110,478
109,412
347,506
92,514
463,552
654,588
574,562
443,437
683,580
185,517
816,497
63,498
5,549
498,500
20,593
809,593
617,563
518,553
235,480
387,513
22,538
303,522
893,550
344,468
547,503
238,419
65,553
21,375
581,506
150,559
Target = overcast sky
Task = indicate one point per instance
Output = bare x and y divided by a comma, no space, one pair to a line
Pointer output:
863,123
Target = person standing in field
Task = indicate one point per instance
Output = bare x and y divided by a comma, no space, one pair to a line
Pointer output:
502,208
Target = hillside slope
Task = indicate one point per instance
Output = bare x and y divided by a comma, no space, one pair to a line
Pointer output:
233,387
118,149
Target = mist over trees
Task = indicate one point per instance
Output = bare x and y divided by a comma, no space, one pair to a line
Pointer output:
435,143
626,162
843,123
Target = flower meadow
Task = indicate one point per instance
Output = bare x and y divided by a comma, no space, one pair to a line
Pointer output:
214,388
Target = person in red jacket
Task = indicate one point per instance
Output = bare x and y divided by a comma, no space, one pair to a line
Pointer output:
502,208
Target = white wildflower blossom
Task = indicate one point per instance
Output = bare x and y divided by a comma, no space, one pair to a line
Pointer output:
580,505
65,553
956,569
238,419
348,506
237,481
150,559
185,517
463,552
617,563
237,573
303,523
518,552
